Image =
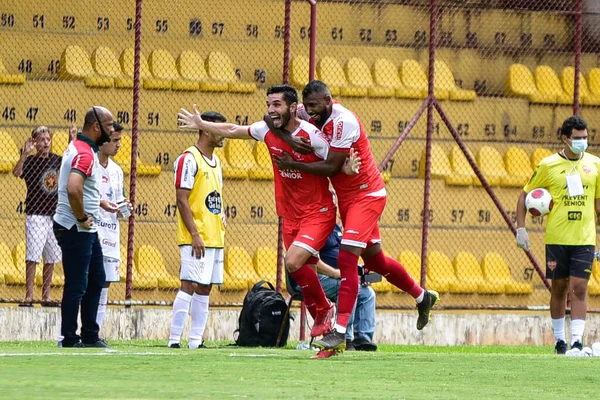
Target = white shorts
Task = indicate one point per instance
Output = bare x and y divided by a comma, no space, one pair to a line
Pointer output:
205,271
112,268
40,240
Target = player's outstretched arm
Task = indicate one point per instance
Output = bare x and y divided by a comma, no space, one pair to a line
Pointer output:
522,236
194,120
300,145
329,167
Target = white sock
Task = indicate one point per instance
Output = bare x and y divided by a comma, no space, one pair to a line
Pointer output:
577,328
102,306
558,326
339,328
421,297
199,311
181,307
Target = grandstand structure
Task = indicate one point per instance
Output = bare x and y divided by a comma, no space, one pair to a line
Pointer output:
505,76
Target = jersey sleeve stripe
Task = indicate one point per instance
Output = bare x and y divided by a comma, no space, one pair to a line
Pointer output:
179,171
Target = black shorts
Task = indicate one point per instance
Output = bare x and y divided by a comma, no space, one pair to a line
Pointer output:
564,261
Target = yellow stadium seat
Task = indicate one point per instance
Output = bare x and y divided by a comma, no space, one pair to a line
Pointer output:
18,255
538,155
58,276
299,71
411,262
359,75
60,141
148,82
521,83
468,271
593,287
549,85
444,81
330,71
75,65
239,157
385,74
518,167
9,154
190,65
150,264
441,277
106,64
162,66
462,172
10,79
228,172
594,81
440,165
238,265
220,68
491,164
413,77
263,170
567,78
496,270
6,262
123,158
265,265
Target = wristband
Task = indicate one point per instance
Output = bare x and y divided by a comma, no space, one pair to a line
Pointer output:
83,219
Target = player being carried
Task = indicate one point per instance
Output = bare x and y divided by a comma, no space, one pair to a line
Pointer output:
361,199
302,199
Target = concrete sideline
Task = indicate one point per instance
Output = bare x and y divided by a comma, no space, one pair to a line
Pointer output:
448,328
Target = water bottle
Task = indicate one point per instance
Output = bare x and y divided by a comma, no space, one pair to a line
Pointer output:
303,346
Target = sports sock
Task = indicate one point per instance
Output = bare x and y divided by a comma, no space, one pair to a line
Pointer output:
577,328
199,312
348,291
310,286
395,273
102,306
181,307
558,326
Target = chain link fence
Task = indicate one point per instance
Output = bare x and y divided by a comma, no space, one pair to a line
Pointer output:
504,76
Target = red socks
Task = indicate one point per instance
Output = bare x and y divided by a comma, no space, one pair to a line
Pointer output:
394,272
310,286
348,292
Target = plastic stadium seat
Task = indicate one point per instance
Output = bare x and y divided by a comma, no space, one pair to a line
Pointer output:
495,270
148,82
75,65
7,265
106,64
18,256
440,165
162,66
441,277
123,158
385,74
151,265
518,167
228,172
220,69
239,157
444,81
594,81
190,65
468,271
330,71
593,287
567,78
359,75
521,83
238,265
9,154
462,173
413,77
411,262
491,164
19,251
263,170
10,79
549,85
60,141
265,265
538,155
299,71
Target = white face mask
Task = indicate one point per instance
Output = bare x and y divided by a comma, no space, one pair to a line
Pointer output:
578,146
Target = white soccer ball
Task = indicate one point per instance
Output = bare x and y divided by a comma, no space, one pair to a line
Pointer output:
596,349
574,353
539,202
587,351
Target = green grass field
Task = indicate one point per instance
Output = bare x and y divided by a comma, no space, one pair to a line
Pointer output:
148,370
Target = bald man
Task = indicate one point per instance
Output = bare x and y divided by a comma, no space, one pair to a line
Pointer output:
74,226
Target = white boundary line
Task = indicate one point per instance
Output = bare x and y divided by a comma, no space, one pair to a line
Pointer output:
105,353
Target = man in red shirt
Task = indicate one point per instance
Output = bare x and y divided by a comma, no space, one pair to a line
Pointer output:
361,199
302,199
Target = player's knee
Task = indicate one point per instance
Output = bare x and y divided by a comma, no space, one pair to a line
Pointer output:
203,290
579,290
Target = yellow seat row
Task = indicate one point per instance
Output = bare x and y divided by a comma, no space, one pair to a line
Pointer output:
7,78
9,152
190,72
242,271
12,267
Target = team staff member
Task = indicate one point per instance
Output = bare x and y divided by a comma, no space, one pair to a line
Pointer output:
76,232
572,178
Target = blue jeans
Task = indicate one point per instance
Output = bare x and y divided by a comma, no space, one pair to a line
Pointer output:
84,279
362,321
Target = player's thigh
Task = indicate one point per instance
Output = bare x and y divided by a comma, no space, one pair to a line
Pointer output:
34,238
582,259
361,221
557,261
197,270
311,236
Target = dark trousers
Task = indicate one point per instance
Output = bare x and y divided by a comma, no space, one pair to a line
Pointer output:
84,279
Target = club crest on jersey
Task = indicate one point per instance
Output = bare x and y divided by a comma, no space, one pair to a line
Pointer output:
339,128
50,181
586,169
552,265
213,202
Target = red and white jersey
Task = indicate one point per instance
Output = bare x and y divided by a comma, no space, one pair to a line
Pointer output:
343,130
297,194
111,189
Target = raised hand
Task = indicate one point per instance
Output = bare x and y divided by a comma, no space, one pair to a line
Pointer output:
29,146
72,133
189,120
284,162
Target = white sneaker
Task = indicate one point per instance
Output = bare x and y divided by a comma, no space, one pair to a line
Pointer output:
574,353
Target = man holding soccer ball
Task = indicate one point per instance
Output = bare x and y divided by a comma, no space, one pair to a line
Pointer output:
572,177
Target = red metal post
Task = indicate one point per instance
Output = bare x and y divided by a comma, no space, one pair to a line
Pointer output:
312,58
287,28
577,49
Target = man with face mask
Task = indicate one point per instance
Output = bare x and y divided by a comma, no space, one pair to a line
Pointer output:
572,177
76,231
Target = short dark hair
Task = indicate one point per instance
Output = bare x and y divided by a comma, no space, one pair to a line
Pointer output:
290,94
213,116
571,123
314,86
117,126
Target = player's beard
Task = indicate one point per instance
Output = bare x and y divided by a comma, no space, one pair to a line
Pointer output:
285,119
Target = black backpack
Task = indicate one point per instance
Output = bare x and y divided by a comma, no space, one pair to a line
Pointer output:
264,319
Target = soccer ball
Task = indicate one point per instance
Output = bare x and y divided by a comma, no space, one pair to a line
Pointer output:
539,202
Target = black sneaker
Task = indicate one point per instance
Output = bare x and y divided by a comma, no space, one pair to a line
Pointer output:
174,346
561,347
201,346
334,340
430,298
576,345
69,345
100,343
349,345
364,345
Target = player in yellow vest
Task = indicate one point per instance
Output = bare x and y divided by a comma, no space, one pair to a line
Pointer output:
200,233
572,178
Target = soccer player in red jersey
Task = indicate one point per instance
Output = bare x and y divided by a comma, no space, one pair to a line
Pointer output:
302,199
361,200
